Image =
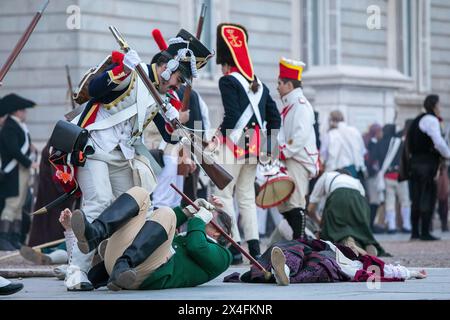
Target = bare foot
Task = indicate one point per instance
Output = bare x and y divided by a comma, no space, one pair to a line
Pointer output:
64,219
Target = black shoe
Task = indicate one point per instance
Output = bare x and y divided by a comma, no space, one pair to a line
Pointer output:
415,237
122,277
10,289
392,231
378,230
89,235
406,231
429,237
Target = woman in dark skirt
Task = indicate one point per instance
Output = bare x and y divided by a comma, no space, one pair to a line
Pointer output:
346,216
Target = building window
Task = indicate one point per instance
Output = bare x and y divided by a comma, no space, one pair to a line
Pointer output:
406,27
320,32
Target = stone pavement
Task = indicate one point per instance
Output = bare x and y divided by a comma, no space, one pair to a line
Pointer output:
413,254
436,286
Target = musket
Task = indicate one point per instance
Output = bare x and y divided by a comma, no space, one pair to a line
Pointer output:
69,84
41,246
218,175
55,202
23,40
76,110
253,261
187,91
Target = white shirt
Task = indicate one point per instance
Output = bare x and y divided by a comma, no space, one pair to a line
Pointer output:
326,185
342,147
430,125
118,135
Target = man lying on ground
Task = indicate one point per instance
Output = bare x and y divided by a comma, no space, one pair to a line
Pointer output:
145,254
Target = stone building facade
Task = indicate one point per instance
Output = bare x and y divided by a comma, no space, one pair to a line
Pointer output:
373,59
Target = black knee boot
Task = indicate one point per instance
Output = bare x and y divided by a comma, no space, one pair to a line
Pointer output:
148,239
89,235
415,218
254,249
15,234
297,221
443,214
426,222
5,243
237,255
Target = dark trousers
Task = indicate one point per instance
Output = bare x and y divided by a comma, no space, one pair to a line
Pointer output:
423,191
191,185
443,213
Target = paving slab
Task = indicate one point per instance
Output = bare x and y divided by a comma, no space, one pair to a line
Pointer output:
435,287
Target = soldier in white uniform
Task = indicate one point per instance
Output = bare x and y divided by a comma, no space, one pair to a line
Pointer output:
119,161
297,142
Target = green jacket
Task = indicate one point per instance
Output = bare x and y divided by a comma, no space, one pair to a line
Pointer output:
197,259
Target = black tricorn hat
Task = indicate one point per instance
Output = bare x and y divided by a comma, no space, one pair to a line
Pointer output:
13,102
201,53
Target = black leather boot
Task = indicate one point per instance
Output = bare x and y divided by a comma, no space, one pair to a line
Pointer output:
5,244
415,218
253,248
426,222
15,234
237,255
89,235
148,239
297,221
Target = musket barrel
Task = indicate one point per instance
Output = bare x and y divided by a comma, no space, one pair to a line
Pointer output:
44,6
163,106
21,43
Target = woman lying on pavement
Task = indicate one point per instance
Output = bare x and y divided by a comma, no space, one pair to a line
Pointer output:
309,261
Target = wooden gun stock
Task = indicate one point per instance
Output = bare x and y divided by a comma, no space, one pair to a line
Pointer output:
217,174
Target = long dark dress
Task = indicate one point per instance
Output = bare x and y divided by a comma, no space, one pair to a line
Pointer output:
347,214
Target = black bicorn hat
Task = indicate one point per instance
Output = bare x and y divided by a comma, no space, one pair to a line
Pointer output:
232,48
13,102
192,46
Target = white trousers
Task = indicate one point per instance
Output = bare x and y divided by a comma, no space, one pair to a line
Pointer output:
301,179
13,206
243,186
164,195
396,189
103,178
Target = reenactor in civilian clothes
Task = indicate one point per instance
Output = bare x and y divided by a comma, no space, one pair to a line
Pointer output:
249,116
343,147
425,147
297,142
